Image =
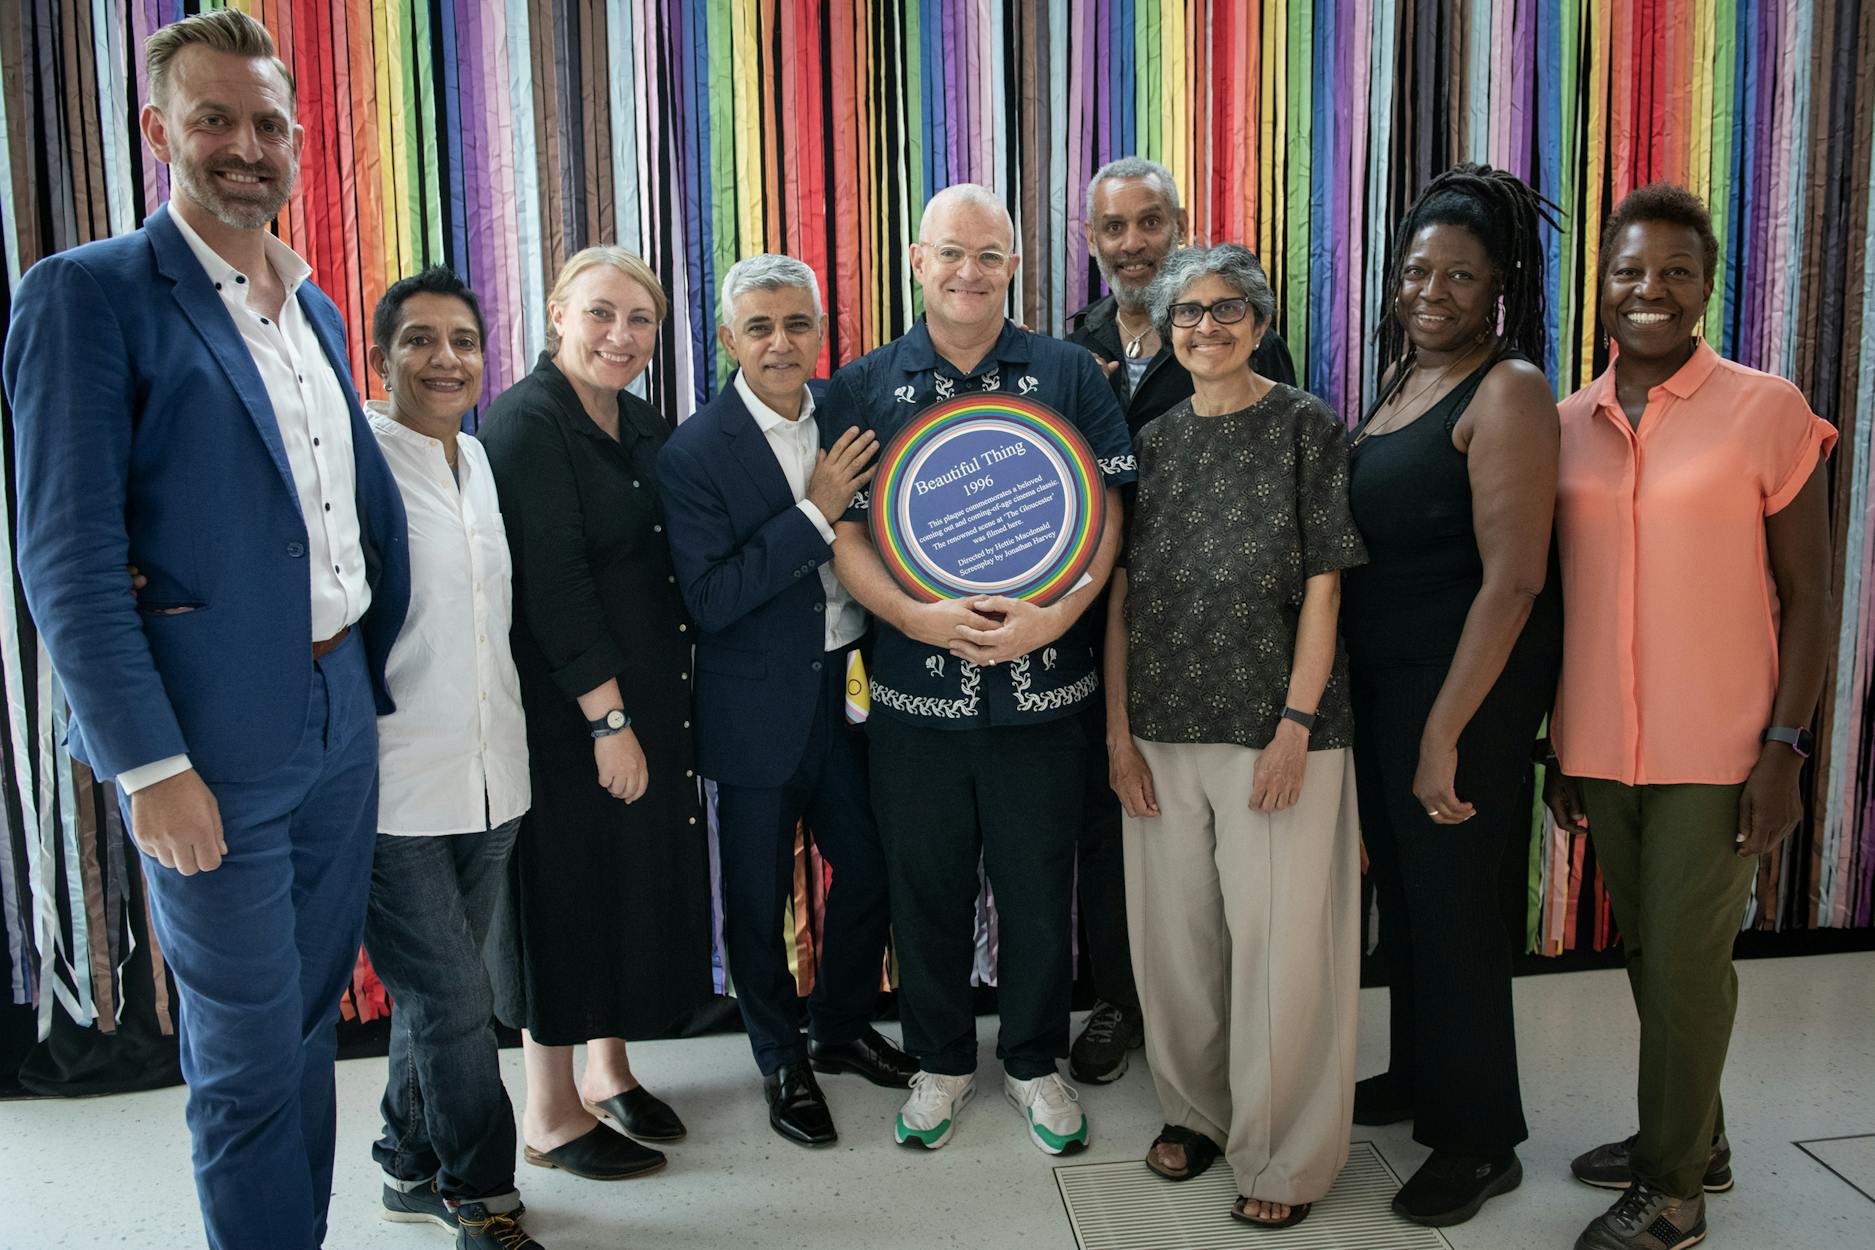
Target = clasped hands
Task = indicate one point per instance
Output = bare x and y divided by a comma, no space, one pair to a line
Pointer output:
987,629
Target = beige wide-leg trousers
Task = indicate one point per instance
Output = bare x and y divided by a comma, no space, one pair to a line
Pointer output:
1246,946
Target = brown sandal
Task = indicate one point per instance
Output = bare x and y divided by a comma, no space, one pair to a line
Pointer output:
1200,1152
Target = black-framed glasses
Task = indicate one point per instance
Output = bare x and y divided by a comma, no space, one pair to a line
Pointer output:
1226,312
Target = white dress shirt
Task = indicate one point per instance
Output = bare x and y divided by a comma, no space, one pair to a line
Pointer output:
314,420
453,757
796,445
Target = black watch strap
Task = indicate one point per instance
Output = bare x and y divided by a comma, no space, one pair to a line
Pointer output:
1304,719
612,722
1797,738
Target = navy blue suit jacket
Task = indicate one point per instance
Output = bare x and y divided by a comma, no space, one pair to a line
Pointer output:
747,562
143,435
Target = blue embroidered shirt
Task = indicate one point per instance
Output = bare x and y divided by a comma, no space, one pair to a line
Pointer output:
884,389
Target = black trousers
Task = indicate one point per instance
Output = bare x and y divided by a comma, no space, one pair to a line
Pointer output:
755,830
1102,861
1010,798
1442,936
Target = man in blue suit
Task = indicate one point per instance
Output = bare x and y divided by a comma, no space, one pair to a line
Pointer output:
750,499
181,403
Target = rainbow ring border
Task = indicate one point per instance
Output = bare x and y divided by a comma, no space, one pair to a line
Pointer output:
1040,421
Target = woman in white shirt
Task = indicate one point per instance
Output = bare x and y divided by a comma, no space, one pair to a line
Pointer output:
453,778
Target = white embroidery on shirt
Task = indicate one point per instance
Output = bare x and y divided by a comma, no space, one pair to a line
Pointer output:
906,394
925,705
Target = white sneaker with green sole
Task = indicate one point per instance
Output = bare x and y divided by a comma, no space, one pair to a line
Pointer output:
929,1116
1053,1111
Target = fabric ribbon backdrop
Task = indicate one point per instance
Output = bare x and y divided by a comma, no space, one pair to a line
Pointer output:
502,135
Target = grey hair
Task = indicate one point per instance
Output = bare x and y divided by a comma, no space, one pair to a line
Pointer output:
1236,264
766,272
968,193
1134,167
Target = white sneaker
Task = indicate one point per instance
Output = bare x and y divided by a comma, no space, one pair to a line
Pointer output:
1053,1110
929,1116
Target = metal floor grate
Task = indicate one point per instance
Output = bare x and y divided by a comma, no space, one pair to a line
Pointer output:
1124,1206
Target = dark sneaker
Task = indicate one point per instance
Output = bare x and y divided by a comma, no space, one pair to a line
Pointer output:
1099,1053
1646,1219
1612,1166
478,1228
417,1206
1380,1100
1451,1188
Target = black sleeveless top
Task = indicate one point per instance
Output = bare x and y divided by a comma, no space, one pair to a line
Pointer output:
1410,494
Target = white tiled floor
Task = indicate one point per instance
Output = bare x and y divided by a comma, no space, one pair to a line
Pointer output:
114,1172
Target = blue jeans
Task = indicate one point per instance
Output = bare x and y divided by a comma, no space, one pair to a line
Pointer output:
261,949
446,1112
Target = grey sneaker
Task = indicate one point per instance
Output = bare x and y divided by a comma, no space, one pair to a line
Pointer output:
422,1205
478,1228
1099,1053
1646,1219
1612,1166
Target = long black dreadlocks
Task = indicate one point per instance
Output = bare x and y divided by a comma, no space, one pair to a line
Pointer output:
1504,212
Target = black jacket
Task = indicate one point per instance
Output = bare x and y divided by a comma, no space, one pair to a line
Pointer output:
1166,383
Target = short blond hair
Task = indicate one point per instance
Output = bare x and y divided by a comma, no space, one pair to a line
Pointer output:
220,30
627,263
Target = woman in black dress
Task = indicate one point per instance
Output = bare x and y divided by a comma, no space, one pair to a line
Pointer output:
1453,631
606,933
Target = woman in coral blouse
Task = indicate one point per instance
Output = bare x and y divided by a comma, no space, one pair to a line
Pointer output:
1692,516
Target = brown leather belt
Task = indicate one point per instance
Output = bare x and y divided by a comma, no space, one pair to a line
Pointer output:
320,650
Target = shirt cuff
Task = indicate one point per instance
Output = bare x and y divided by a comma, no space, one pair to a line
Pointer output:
820,522
135,779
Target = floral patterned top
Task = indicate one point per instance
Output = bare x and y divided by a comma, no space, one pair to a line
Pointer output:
1234,514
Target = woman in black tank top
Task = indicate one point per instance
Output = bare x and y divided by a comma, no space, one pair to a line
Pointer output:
1454,639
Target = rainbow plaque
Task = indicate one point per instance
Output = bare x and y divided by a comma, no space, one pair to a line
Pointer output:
988,495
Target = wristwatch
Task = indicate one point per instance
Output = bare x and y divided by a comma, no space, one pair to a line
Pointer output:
612,722
1304,719
1797,738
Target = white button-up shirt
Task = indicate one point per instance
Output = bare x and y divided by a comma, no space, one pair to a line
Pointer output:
796,445
453,757
315,425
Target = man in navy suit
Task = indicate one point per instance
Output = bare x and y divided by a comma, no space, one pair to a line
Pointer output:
181,403
750,499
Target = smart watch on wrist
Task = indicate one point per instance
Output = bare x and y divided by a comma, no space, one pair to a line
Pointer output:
1797,738
1304,719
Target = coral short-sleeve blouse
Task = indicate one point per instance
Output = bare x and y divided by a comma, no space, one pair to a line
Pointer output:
1670,613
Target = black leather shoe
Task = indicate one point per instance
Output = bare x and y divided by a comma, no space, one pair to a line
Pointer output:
1380,1100
640,1113
601,1155
871,1054
796,1107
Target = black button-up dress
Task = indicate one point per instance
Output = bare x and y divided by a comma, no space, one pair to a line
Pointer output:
606,930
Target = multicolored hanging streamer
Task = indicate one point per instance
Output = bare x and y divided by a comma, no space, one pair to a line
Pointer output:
502,135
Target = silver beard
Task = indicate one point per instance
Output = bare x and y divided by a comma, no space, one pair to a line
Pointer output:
240,214
1130,294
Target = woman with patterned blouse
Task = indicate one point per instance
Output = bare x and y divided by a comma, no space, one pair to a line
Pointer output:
1228,738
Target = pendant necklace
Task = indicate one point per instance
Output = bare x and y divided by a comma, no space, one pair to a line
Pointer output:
1133,343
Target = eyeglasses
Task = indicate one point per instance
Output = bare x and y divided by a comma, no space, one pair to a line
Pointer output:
951,254
1225,312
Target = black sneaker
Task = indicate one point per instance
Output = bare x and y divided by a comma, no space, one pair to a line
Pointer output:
1646,1219
1451,1188
478,1228
1099,1053
417,1206
1612,1166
